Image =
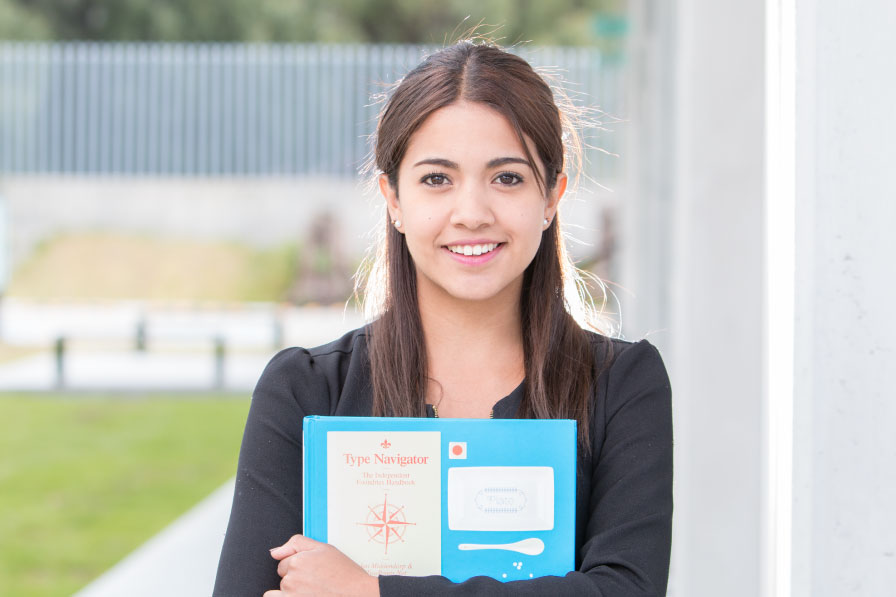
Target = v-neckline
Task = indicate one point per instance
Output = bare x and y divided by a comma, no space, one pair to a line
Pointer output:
505,408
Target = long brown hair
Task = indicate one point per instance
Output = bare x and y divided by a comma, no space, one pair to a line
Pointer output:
559,359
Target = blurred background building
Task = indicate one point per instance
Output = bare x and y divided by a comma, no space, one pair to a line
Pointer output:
180,197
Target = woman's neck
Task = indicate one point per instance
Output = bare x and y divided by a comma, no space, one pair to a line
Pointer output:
474,353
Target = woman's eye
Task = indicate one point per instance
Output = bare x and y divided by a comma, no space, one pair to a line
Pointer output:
509,178
434,180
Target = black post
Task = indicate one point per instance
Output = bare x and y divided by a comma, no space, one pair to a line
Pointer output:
140,343
278,332
60,362
219,362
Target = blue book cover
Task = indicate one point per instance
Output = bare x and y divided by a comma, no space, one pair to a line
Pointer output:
454,497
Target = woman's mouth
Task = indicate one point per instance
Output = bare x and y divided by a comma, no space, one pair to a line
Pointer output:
473,249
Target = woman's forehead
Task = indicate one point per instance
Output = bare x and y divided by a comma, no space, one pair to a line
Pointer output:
465,133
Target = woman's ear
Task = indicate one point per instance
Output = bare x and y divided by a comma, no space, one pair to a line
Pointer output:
550,208
390,194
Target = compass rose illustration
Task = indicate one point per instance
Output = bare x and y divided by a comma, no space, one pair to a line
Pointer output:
386,523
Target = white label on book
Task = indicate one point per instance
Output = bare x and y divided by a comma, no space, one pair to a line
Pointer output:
384,499
501,498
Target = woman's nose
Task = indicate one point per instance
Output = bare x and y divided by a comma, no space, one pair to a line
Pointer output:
472,208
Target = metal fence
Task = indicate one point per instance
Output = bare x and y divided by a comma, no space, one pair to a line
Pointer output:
220,109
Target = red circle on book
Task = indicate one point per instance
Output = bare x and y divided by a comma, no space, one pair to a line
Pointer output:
458,450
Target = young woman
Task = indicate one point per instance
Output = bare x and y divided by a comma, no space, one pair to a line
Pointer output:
474,319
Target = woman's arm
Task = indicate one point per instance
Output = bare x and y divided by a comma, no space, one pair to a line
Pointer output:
628,536
267,499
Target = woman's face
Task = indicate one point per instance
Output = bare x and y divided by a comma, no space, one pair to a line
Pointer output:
469,205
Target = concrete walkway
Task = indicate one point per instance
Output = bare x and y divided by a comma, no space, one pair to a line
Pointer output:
130,371
181,561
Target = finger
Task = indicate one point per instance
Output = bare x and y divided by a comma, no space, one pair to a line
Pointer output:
295,544
273,593
283,566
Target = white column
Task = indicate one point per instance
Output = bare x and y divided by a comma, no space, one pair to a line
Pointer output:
770,186
694,263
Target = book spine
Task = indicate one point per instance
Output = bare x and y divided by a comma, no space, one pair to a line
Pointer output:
307,466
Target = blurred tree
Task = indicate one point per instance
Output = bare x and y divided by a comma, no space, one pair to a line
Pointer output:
566,22
171,20
19,22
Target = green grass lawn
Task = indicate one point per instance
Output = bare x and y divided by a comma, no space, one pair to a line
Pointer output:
86,479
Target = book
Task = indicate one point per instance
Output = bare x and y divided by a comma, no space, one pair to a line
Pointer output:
451,497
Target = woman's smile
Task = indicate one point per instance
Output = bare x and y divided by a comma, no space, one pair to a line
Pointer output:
474,254
472,249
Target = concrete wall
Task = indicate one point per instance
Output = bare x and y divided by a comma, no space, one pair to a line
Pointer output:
715,312
844,409
256,211
4,250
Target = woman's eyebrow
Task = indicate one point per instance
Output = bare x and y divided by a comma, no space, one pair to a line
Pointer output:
509,160
438,162
453,165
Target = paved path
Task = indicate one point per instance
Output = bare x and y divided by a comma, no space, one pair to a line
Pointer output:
110,371
100,344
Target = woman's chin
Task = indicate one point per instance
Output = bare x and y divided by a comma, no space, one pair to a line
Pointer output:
480,294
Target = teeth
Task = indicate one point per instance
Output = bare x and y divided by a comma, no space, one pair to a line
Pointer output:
473,249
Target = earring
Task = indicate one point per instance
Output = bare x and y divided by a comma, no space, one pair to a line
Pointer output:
546,221
396,223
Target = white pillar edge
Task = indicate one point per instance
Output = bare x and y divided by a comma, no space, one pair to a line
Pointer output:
779,295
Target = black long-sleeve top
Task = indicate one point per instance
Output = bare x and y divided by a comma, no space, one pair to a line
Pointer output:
623,481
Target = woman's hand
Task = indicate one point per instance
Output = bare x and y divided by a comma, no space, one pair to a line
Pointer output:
309,567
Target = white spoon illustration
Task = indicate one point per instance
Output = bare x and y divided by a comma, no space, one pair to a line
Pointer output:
530,547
